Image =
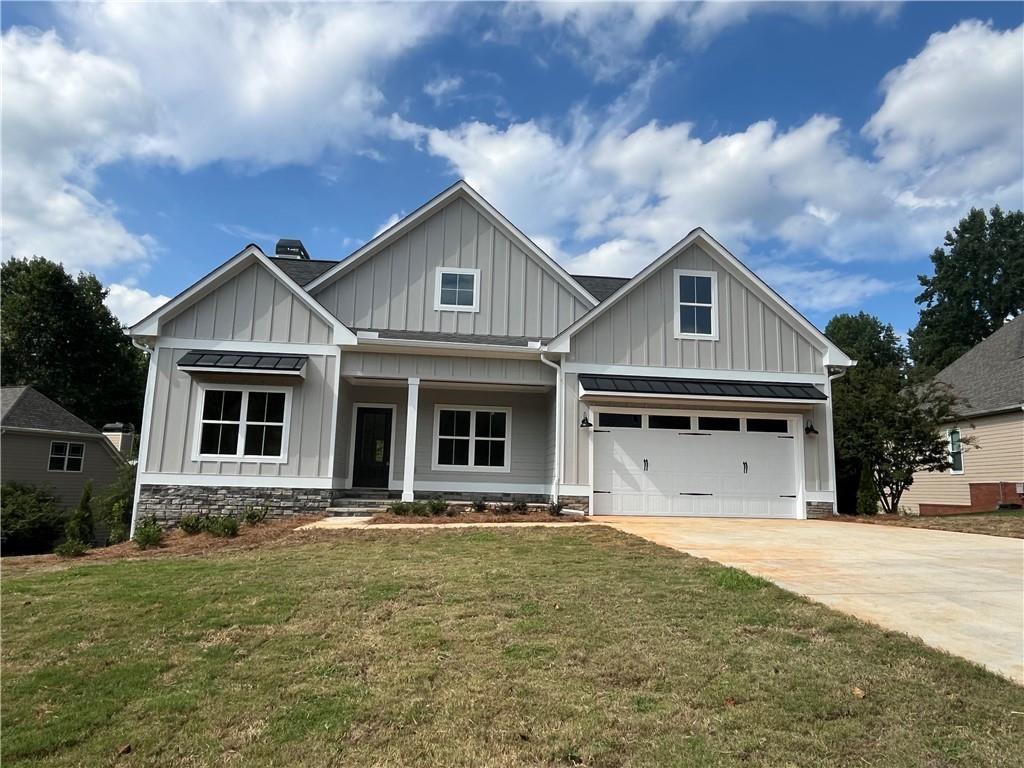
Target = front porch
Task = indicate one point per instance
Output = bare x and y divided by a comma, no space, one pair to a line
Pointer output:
413,438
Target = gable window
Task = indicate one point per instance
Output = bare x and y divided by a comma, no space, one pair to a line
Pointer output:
458,289
696,294
956,452
243,423
471,439
66,457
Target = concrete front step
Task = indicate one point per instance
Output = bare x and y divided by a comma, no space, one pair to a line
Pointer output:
352,511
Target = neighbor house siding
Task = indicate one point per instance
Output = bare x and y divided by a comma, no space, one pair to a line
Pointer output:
174,413
24,458
253,306
997,454
395,288
640,329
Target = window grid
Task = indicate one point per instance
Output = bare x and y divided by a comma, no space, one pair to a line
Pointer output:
226,430
695,310
458,289
956,452
66,456
472,439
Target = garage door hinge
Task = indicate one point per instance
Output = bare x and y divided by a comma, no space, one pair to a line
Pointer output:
696,494
602,430
787,495
785,437
602,491
695,434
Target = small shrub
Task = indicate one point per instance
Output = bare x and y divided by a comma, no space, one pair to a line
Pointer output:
503,509
555,508
222,526
148,533
79,524
254,515
479,505
114,505
30,519
71,548
520,507
437,507
192,524
400,508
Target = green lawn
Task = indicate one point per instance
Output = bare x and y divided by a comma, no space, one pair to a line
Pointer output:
578,646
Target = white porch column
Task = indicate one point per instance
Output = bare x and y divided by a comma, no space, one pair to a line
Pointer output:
409,466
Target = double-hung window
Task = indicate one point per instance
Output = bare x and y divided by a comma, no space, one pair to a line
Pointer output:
696,294
66,457
471,438
956,452
457,289
243,423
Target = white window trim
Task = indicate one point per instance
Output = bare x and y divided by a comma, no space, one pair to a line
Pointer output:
453,307
68,443
435,438
949,449
197,427
676,274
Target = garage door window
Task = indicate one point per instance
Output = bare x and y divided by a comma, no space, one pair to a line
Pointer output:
622,420
719,423
660,421
767,425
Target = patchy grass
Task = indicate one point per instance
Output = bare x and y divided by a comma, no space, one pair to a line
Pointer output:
531,516
506,647
1005,522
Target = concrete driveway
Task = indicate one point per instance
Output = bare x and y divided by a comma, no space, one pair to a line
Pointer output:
960,592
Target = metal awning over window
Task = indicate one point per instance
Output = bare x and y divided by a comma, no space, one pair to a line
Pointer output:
243,362
635,386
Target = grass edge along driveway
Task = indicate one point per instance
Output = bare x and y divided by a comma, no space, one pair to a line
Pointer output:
472,648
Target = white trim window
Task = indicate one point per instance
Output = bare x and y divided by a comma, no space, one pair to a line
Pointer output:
956,452
696,304
458,289
240,422
472,438
66,456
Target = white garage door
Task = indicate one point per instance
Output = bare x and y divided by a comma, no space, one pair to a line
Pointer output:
698,465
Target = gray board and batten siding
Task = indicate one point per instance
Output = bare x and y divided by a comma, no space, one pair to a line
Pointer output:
394,289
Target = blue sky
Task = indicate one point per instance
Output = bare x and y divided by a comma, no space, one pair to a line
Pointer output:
829,146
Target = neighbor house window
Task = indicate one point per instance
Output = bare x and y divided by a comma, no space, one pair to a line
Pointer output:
696,293
956,452
66,457
243,423
458,289
471,438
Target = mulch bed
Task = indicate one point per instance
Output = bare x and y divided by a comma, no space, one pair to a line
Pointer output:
386,518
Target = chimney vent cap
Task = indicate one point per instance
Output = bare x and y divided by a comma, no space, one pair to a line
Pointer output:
291,249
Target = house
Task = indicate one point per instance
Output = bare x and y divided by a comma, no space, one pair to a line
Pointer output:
47,446
450,356
986,442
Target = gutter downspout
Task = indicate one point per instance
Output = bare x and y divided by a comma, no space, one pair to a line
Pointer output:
832,439
556,470
143,430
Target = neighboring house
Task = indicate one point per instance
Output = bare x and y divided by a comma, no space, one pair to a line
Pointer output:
989,470
47,446
451,356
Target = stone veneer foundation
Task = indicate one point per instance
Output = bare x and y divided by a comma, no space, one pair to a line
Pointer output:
169,503
820,510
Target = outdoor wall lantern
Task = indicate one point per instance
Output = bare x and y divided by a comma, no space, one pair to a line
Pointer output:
809,429
585,423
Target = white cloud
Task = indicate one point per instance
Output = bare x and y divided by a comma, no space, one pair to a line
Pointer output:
248,234
393,219
441,89
188,84
822,289
130,304
607,195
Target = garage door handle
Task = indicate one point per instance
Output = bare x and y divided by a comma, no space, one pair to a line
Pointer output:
645,465
696,494
744,467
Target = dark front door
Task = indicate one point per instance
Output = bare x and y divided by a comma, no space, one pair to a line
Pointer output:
372,462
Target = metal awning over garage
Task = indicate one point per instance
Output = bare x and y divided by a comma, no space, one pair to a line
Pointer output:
639,386
243,362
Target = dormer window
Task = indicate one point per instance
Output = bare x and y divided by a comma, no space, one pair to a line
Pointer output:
458,289
696,294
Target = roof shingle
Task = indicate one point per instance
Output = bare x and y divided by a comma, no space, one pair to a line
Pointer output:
989,377
26,408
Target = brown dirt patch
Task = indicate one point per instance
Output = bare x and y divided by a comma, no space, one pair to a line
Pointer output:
386,518
176,543
1007,524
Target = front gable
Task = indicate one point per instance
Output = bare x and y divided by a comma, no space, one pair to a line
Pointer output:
392,284
753,328
246,299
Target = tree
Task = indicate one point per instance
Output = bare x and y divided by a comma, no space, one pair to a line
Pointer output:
79,526
876,348
978,284
57,335
887,426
